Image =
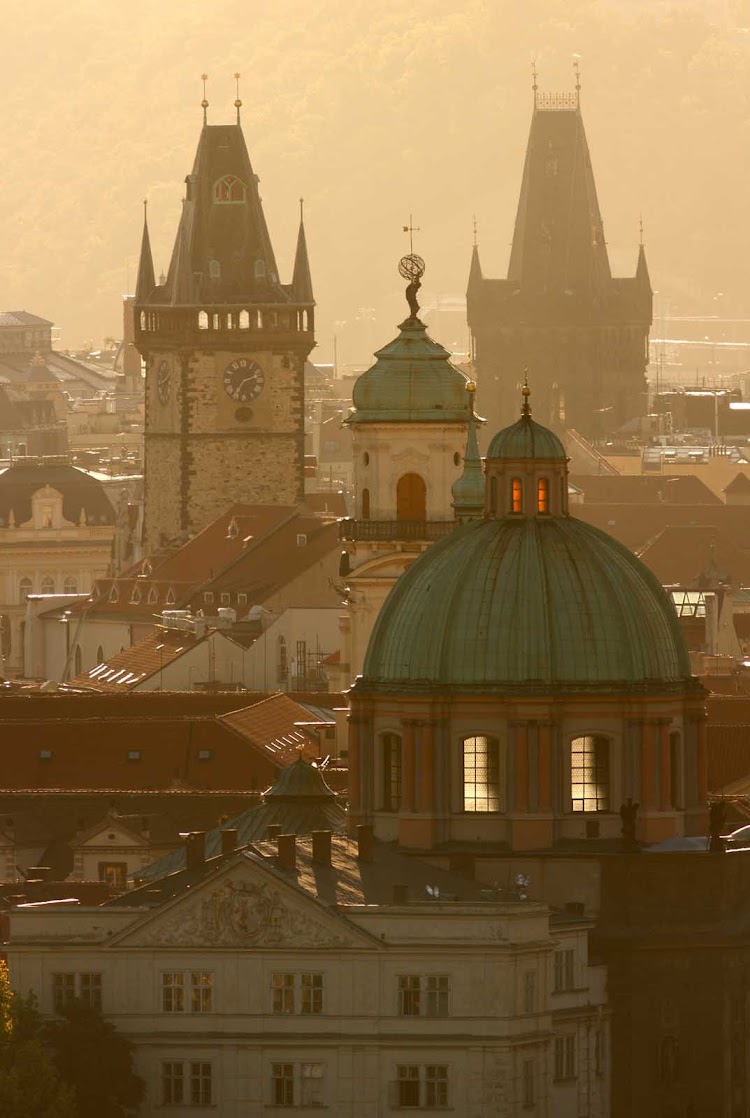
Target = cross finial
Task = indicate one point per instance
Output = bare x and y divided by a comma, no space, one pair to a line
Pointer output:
237,102
411,229
526,392
475,230
534,81
577,72
204,102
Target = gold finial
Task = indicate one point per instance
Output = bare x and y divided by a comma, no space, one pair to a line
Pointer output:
204,102
238,102
471,386
526,392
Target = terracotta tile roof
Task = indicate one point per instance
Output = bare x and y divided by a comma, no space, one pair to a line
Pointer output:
330,503
130,667
681,552
636,525
642,489
269,726
728,755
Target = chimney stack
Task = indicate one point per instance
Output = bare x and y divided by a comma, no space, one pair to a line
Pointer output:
229,840
365,843
287,851
273,831
195,849
321,847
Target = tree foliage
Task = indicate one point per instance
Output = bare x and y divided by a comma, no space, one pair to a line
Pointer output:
30,1085
97,1061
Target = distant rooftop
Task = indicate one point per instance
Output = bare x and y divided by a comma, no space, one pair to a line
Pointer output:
22,318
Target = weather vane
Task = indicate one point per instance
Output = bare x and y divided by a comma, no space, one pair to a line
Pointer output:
411,229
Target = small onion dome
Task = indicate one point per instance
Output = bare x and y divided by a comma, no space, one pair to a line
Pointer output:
511,604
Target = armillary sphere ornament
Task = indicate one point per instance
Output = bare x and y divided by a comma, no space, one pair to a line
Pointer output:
411,267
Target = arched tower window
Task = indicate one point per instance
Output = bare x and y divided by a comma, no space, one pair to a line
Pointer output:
590,773
70,586
481,773
48,585
230,189
542,495
516,495
24,588
202,320
214,269
260,270
391,755
411,498
365,504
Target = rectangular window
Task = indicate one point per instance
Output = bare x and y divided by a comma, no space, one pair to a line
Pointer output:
311,993
114,873
516,495
201,991
565,1057
529,992
283,993
172,1083
90,990
436,1085
208,597
423,995
311,1085
201,1083
282,1084
69,986
226,598
481,760
408,995
173,991
407,1083
528,1084
391,772
564,970
542,495
436,995
589,773
63,990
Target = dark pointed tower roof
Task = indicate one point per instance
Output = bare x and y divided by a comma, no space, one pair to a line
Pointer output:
146,281
558,241
302,289
222,252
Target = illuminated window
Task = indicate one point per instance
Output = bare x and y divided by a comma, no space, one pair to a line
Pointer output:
391,772
516,495
481,761
230,189
589,773
542,495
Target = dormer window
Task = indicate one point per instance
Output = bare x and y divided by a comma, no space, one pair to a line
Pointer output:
153,596
113,593
542,495
135,597
170,599
516,495
230,189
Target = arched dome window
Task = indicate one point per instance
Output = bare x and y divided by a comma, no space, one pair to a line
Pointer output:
365,504
411,498
48,585
24,588
590,770
516,495
391,758
70,586
481,773
230,189
542,495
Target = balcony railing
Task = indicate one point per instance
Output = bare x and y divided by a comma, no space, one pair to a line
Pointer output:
385,530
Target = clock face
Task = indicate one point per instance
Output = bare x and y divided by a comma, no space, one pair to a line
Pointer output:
163,382
244,380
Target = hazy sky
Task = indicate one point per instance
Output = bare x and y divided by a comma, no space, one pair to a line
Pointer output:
370,111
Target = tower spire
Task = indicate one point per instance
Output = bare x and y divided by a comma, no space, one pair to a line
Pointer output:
468,490
204,102
302,289
534,82
577,72
145,282
526,392
237,101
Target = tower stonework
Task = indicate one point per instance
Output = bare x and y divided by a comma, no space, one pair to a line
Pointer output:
582,333
225,345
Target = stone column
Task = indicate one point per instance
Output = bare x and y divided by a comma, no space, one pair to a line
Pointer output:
521,798
648,759
665,768
427,797
544,778
408,767
702,763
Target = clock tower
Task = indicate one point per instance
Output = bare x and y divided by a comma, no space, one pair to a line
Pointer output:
225,344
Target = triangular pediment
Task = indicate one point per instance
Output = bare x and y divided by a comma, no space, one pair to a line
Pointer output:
243,905
111,832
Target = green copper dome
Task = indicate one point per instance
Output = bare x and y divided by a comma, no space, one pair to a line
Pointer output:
542,604
526,439
412,381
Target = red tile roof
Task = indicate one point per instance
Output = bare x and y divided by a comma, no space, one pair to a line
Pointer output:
129,668
644,489
636,525
681,552
269,726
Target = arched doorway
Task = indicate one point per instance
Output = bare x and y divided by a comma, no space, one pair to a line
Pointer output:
411,498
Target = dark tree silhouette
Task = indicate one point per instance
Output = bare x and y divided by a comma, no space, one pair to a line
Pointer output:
97,1061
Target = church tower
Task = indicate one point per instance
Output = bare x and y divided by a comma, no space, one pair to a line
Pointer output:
225,344
560,311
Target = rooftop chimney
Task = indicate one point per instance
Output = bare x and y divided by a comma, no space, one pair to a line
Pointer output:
321,847
287,848
229,840
195,849
273,831
365,843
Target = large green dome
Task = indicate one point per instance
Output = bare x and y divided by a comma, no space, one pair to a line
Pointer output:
539,604
412,381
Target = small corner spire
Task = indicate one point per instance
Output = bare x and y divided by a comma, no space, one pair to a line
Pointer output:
468,489
577,72
526,392
237,100
145,281
204,102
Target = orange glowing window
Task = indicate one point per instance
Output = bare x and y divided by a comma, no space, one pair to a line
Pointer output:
542,495
516,495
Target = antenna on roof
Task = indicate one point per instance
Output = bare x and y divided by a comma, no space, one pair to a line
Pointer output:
237,102
204,102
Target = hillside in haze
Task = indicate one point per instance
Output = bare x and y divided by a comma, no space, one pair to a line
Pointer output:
370,111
